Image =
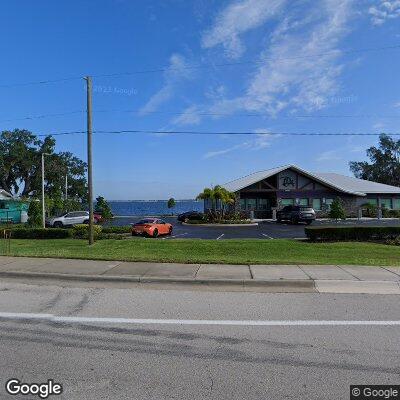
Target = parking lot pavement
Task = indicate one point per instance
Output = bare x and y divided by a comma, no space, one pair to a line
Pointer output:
265,230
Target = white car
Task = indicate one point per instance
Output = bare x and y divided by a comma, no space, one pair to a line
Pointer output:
70,218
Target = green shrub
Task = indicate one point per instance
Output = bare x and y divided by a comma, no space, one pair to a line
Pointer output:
344,233
337,210
103,208
117,229
370,210
226,222
117,236
390,213
81,231
40,233
393,242
35,213
13,226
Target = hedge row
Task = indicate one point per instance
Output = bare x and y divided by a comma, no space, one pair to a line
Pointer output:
79,231
40,233
342,233
117,229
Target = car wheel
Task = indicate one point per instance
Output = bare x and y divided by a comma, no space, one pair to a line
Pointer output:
133,233
170,231
58,224
294,221
279,220
155,233
86,221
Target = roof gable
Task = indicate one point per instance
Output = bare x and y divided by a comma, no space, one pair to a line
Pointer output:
341,183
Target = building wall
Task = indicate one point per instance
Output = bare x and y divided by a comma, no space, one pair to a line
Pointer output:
291,187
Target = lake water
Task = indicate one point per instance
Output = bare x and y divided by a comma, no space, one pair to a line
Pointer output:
152,207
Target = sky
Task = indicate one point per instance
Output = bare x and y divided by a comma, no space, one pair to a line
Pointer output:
259,66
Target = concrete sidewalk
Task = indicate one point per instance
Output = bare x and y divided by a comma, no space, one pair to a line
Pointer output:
279,278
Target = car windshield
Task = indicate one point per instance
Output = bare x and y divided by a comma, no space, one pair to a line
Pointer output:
145,221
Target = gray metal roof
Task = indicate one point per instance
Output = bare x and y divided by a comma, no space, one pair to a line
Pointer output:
4,195
358,185
338,182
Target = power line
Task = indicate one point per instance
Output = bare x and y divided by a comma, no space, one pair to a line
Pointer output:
239,63
42,116
226,133
41,82
202,114
202,66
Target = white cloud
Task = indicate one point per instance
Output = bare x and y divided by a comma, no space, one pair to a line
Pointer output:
190,116
176,72
258,142
397,105
289,73
378,125
236,19
330,155
384,10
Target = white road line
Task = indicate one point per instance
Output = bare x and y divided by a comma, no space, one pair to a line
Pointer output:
269,237
105,320
220,236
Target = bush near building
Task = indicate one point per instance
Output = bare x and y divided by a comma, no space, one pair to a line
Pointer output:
337,210
358,233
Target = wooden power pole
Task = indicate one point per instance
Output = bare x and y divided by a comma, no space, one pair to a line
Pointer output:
88,80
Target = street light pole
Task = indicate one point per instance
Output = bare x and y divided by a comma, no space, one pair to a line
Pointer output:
66,185
88,80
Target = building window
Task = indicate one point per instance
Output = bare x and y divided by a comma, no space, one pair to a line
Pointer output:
242,204
328,203
263,204
373,202
316,204
303,202
386,203
396,204
251,204
287,202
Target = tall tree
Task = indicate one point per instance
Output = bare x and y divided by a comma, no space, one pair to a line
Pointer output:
385,162
20,166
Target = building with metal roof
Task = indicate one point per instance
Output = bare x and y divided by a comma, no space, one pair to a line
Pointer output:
262,191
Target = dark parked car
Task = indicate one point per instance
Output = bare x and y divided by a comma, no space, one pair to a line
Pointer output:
190,215
296,214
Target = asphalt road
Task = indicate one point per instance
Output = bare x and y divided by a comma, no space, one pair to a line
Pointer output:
121,359
264,230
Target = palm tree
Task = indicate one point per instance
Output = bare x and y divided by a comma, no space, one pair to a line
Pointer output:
207,194
215,194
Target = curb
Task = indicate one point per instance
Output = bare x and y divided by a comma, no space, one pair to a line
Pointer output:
275,284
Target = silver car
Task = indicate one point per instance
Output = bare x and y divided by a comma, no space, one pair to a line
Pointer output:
70,218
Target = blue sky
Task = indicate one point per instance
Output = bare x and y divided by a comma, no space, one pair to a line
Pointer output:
249,65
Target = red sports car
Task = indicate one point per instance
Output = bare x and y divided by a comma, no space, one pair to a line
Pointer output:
151,227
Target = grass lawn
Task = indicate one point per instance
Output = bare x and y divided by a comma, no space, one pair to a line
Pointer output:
278,251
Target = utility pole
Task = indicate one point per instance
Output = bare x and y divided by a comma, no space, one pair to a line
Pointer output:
43,207
88,80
